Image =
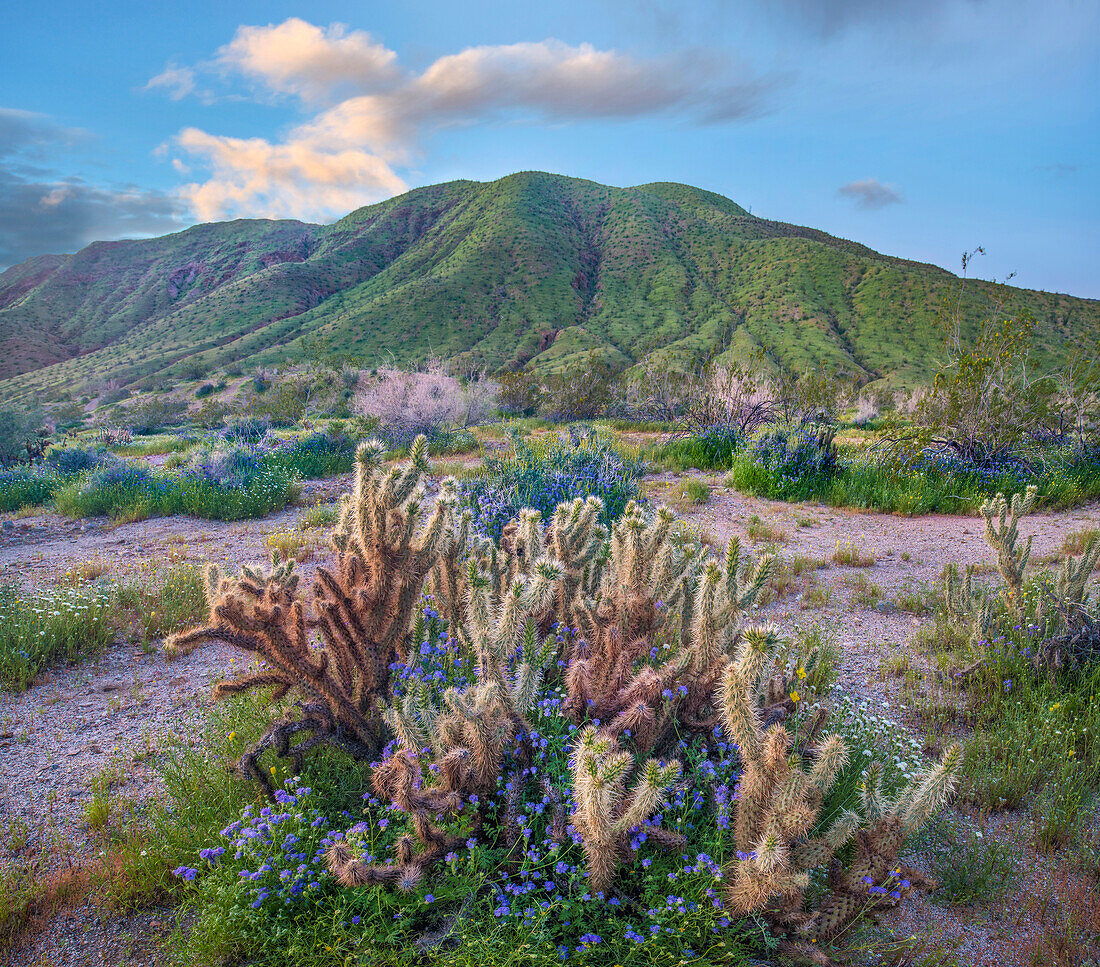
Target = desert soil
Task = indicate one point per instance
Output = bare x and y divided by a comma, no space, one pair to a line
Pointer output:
110,716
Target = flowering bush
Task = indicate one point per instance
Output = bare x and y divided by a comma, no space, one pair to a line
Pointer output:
75,459
27,486
805,451
543,474
407,404
38,628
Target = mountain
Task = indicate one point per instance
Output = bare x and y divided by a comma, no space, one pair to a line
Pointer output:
533,268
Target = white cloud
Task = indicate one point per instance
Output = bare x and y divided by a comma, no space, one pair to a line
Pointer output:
176,81
252,177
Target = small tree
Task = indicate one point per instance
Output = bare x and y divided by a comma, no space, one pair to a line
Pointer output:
582,390
22,435
520,392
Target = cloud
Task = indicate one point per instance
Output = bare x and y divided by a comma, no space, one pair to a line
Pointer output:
296,57
293,180
37,217
176,81
1059,169
379,115
28,135
827,17
870,194
41,212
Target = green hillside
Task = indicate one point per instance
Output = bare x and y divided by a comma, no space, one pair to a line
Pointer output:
531,268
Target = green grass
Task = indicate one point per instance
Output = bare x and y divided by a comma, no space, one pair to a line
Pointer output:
871,486
153,446
322,515
695,491
163,495
28,487
42,628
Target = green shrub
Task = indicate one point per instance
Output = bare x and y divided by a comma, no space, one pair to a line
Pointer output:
134,493
21,435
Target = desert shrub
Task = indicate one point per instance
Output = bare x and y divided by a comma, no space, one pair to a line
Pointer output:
22,437
712,449
657,390
67,415
315,455
40,628
227,467
226,486
283,401
730,398
246,430
524,780
544,473
75,459
28,486
426,401
788,463
867,410
519,393
154,413
212,413
580,391
205,390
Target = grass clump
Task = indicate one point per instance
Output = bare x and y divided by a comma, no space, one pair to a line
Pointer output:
695,491
41,628
851,554
160,601
128,493
28,487
320,515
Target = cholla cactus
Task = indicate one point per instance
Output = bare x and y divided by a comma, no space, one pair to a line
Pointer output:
1071,582
362,610
968,604
616,678
779,807
606,812
466,733
1002,533
572,542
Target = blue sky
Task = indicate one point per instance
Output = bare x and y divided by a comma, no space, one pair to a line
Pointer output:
922,128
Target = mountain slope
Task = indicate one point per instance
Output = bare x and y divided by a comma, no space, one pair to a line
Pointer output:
533,267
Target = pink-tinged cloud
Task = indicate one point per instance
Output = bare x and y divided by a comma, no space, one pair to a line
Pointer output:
299,58
176,81
342,157
251,177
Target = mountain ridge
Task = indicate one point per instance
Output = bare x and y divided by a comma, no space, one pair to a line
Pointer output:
532,268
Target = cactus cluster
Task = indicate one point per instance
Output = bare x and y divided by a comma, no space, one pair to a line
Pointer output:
659,650
778,829
1066,628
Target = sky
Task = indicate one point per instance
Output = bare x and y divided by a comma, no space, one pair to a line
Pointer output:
922,128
